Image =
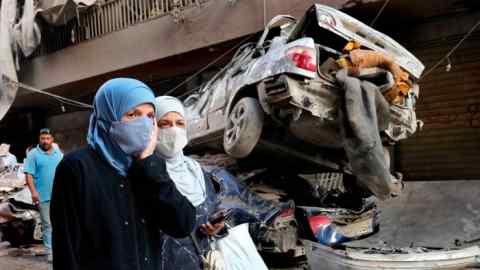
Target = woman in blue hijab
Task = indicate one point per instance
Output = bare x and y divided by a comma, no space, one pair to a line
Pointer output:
111,198
114,100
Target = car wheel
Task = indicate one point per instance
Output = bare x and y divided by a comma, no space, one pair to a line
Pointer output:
244,127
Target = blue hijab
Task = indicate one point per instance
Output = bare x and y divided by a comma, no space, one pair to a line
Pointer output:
113,99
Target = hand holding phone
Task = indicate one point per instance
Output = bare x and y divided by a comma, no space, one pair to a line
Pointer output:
216,222
220,216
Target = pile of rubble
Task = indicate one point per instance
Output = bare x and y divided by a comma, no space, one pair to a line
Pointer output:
19,217
287,207
12,180
320,221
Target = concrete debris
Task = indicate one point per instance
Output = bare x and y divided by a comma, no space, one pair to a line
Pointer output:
11,180
19,217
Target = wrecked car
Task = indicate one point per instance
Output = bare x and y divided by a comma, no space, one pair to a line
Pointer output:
331,90
292,92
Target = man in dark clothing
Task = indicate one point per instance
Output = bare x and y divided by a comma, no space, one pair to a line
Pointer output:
111,199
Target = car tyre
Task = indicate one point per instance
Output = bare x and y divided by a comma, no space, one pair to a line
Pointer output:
244,127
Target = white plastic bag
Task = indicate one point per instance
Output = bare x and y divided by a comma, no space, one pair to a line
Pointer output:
239,251
213,261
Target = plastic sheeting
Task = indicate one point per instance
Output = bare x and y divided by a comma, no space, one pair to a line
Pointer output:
24,35
27,33
8,91
59,12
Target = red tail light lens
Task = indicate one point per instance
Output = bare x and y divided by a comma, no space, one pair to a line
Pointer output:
303,57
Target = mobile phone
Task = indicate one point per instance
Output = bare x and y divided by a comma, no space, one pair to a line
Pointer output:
220,216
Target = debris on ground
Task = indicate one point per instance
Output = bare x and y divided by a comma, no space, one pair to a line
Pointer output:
28,257
19,217
315,219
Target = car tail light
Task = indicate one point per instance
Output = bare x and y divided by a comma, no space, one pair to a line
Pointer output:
303,57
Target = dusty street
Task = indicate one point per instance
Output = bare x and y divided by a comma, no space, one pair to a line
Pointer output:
22,263
15,259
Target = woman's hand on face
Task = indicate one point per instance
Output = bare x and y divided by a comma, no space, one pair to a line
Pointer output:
152,143
210,229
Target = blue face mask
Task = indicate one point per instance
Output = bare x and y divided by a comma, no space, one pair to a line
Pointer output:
132,136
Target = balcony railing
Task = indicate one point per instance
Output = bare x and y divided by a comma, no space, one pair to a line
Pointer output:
109,17
115,15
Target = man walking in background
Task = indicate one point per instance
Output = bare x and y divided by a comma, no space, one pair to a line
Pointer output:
40,166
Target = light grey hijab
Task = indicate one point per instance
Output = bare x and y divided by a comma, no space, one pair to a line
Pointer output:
185,172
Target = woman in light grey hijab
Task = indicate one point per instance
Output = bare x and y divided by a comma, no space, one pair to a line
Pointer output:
190,180
236,246
172,138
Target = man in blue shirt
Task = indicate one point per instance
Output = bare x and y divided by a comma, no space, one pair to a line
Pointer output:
39,168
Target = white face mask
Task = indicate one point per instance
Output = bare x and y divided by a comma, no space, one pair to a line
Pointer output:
171,141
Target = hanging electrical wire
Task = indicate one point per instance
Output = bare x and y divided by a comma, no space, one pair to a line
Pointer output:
62,107
187,80
447,56
379,13
61,99
264,13
221,56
